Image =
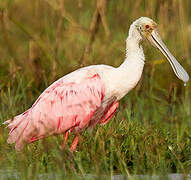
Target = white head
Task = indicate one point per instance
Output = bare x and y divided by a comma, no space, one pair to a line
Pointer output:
146,28
141,28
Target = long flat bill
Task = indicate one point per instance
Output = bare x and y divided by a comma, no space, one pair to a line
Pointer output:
177,68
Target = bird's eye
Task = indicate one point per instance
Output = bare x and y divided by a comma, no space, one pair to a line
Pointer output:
147,26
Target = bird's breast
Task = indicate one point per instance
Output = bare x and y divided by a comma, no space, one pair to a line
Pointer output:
118,83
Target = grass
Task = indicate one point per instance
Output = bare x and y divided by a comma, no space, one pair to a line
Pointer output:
151,132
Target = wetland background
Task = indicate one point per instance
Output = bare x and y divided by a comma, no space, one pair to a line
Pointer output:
42,40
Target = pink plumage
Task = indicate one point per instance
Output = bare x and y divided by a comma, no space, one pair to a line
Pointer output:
65,106
90,95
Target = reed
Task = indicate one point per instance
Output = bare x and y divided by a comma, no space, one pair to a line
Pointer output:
43,40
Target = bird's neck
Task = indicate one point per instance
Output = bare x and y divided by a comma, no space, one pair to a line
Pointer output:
130,71
134,54
122,79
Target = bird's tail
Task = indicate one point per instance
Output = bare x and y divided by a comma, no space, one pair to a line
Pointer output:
16,128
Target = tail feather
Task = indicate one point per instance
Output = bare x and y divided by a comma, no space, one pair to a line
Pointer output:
6,122
16,128
23,130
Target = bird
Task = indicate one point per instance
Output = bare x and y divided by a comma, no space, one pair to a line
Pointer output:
90,95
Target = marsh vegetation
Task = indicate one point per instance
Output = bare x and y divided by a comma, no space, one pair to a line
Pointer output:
42,40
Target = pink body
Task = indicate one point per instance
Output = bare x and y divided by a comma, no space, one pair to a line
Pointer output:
81,99
90,95
65,106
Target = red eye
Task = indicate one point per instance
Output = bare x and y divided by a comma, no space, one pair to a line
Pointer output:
147,26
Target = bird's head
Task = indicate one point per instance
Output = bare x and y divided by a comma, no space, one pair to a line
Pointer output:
147,29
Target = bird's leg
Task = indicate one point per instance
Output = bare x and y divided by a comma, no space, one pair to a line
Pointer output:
65,138
74,144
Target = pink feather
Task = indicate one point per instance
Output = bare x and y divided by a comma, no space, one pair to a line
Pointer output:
61,107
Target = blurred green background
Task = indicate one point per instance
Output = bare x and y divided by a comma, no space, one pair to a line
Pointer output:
42,40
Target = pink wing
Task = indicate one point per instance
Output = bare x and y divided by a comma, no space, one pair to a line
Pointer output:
62,106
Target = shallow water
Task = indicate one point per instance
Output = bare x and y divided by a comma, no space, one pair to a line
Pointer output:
13,175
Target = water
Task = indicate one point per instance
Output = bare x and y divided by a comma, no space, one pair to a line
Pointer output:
8,174
184,84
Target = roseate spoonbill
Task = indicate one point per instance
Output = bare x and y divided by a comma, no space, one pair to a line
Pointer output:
90,95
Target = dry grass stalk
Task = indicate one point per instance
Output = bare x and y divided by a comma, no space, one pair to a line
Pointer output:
5,28
59,27
56,5
80,4
102,7
100,12
34,58
183,25
57,36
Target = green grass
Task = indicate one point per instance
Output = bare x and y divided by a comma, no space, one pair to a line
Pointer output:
151,132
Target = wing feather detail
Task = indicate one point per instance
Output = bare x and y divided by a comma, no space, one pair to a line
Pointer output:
62,106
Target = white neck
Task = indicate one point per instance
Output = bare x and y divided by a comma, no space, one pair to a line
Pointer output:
135,58
127,75
134,50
